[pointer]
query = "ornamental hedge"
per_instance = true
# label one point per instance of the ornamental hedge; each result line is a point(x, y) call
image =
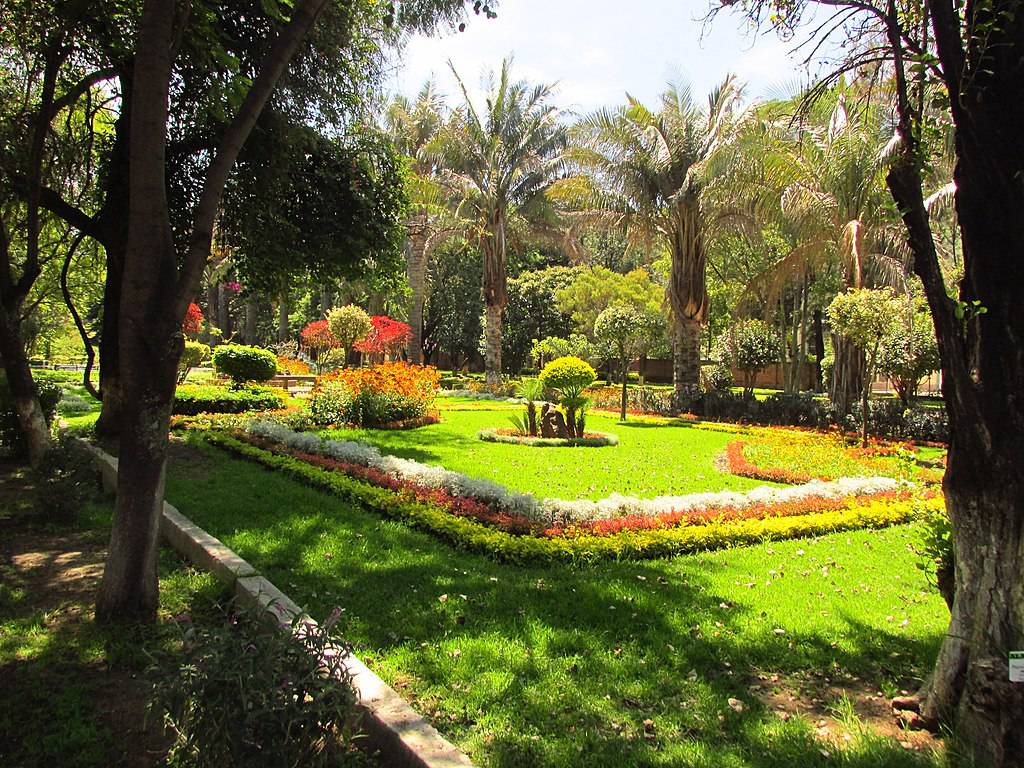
point(244, 364)
point(190, 400)
point(466, 533)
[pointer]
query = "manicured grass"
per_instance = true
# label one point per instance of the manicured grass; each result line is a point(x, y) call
point(651, 459)
point(558, 666)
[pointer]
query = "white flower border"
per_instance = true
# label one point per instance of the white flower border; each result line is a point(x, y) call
point(551, 511)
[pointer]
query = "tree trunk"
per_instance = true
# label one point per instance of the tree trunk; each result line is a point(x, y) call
point(282, 318)
point(212, 304)
point(251, 314)
point(31, 420)
point(847, 374)
point(492, 340)
point(416, 264)
point(685, 360)
point(108, 425)
point(625, 394)
point(819, 350)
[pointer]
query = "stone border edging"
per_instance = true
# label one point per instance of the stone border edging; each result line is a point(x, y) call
point(402, 736)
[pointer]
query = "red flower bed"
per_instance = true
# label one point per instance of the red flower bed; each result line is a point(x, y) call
point(740, 465)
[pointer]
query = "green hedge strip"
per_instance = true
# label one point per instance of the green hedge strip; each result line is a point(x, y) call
point(470, 535)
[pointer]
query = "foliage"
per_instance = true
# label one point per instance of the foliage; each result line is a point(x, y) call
point(619, 327)
point(193, 354)
point(192, 399)
point(349, 324)
point(243, 364)
point(569, 376)
point(385, 337)
point(451, 314)
point(292, 366)
point(331, 360)
point(530, 390)
point(385, 393)
point(594, 289)
point(749, 346)
point(246, 696)
point(909, 352)
point(10, 430)
point(533, 313)
point(552, 347)
point(318, 337)
point(717, 377)
point(193, 322)
point(590, 440)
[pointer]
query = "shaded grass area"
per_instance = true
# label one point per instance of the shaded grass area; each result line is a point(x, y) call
point(651, 459)
point(550, 666)
point(74, 692)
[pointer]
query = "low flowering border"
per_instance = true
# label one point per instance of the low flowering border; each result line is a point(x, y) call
point(582, 547)
point(592, 440)
point(738, 464)
point(548, 511)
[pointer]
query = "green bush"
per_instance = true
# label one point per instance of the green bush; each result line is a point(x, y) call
point(243, 364)
point(195, 352)
point(716, 377)
point(10, 432)
point(246, 696)
point(192, 399)
point(569, 376)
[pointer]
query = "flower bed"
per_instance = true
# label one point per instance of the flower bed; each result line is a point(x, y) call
point(516, 540)
point(589, 440)
point(383, 394)
point(550, 512)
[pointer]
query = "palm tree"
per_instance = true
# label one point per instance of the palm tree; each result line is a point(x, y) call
point(648, 172)
point(829, 179)
point(415, 128)
point(502, 159)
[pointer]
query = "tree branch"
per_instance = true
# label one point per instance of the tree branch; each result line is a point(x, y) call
point(80, 88)
point(90, 353)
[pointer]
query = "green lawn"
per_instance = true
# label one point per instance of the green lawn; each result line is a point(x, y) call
point(555, 666)
point(651, 459)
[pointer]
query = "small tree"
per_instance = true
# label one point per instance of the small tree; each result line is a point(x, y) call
point(193, 322)
point(531, 390)
point(569, 376)
point(749, 346)
point(386, 337)
point(864, 316)
point(620, 327)
point(317, 338)
point(553, 347)
point(909, 352)
point(349, 324)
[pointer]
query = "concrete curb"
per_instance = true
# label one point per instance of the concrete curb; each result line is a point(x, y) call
point(401, 735)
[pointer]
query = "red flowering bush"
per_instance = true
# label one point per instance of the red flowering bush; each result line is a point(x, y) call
point(317, 336)
point(382, 394)
point(386, 336)
point(193, 322)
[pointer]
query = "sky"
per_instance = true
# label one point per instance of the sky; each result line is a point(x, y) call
point(598, 50)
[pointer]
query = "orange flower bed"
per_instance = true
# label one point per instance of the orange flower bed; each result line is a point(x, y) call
point(292, 367)
point(387, 392)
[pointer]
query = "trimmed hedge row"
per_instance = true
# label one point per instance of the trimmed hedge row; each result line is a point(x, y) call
point(191, 400)
point(475, 537)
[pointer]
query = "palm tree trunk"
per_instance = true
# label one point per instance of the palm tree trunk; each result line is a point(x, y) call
point(688, 298)
point(495, 294)
point(685, 359)
point(416, 265)
point(492, 342)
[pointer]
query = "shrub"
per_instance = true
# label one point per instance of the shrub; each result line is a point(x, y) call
point(349, 324)
point(193, 355)
point(372, 396)
point(331, 360)
point(244, 364)
point(10, 431)
point(292, 366)
point(750, 345)
point(386, 336)
point(569, 376)
point(246, 696)
point(716, 377)
point(190, 400)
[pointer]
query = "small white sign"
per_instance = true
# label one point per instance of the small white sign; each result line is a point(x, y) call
point(1017, 666)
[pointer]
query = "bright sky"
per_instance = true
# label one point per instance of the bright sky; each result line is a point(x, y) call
point(598, 50)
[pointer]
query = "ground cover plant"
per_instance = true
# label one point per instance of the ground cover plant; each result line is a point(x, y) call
point(670, 662)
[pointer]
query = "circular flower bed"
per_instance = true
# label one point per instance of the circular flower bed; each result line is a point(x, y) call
point(589, 440)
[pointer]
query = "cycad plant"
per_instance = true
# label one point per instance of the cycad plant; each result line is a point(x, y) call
point(647, 171)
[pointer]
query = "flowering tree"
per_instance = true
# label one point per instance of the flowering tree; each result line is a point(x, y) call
point(318, 338)
point(349, 324)
point(386, 337)
point(193, 322)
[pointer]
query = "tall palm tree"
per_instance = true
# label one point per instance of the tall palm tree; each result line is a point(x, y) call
point(415, 128)
point(502, 159)
point(648, 171)
point(829, 178)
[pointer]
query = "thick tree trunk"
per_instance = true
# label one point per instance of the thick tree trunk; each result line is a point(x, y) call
point(492, 339)
point(819, 350)
point(223, 311)
point(416, 265)
point(685, 360)
point(31, 420)
point(282, 318)
point(251, 315)
point(847, 382)
point(108, 425)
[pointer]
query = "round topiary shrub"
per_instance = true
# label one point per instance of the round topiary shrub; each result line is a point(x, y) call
point(569, 376)
point(243, 364)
